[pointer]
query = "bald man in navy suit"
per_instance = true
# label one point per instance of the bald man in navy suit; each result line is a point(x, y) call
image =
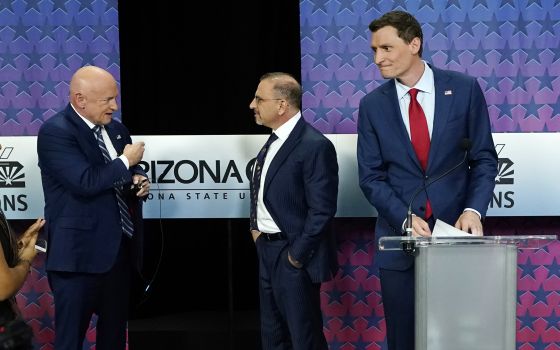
point(94, 215)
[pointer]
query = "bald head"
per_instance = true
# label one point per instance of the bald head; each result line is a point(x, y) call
point(90, 78)
point(93, 93)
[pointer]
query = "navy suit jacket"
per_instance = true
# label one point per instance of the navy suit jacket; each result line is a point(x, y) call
point(389, 170)
point(300, 193)
point(83, 220)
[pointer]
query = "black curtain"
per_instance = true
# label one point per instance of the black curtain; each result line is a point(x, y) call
point(182, 77)
point(179, 77)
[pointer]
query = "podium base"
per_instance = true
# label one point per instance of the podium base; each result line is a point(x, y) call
point(466, 297)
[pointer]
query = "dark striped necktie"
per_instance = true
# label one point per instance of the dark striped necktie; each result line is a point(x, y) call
point(256, 183)
point(126, 221)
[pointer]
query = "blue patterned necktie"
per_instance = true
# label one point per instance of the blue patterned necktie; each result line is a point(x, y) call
point(126, 221)
point(256, 181)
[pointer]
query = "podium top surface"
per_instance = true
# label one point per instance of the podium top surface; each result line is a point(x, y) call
point(406, 242)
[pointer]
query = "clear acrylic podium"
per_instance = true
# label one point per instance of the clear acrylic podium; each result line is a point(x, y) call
point(466, 289)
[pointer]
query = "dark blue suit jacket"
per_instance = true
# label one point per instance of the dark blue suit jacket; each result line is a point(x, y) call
point(300, 193)
point(83, 220)
point(389, 169)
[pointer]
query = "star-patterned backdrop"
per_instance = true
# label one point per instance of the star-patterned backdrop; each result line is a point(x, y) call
point(512, 47)
point(42, 43)
point(353, 308)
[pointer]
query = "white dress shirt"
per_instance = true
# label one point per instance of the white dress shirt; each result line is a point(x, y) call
point(426, 98)
point(264, 219)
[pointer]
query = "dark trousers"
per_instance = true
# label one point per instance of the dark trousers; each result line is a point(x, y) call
point(77, 296)
point(397, 293)
point(290, 306)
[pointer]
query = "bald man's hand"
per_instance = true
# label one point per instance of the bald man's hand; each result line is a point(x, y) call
point(134, 152)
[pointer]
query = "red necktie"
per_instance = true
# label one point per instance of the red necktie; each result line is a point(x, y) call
point(419, 135)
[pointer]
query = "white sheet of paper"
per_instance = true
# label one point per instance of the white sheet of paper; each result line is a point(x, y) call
point(443, 229)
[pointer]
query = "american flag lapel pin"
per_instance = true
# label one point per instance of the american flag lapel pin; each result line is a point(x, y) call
point(448, 92)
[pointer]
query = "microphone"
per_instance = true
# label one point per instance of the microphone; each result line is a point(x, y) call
point(465, 146)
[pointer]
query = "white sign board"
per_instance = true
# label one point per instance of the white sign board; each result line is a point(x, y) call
point(207, 176)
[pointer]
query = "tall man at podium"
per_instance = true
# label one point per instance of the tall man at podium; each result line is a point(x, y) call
point(424, 141)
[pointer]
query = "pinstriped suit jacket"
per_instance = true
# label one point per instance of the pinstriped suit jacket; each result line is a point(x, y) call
point(300, 192)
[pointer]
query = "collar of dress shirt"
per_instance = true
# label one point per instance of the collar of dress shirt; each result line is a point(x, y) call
point(90, 124)
point(285, 129)
point(425, 84)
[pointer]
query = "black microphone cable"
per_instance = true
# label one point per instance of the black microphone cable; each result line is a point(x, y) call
point(147, 288)
point(466, 146)
point(145, 291)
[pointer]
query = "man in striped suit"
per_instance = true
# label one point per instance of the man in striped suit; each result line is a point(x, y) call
point(293, 199)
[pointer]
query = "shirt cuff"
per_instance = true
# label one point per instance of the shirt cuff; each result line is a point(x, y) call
point(475, 211)
point(124, 160)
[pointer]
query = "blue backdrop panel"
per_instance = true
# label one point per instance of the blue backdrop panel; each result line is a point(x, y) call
point(42, 43)
point(511, 45)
